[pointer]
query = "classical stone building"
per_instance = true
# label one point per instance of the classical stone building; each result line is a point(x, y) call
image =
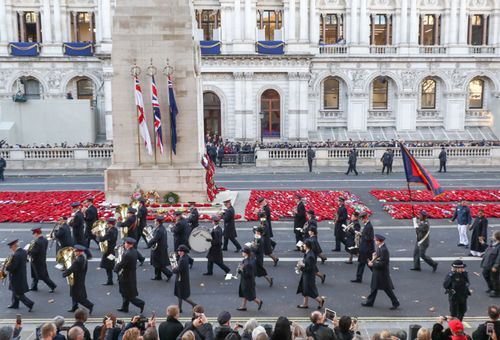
point(290, 69)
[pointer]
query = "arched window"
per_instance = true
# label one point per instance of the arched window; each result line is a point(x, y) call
point(331, 88)
point(428, 94)
point(476, 93)
point(271, 108)
point(31, 88)
point(85, 89)
point(380, 98)
point(211, 114)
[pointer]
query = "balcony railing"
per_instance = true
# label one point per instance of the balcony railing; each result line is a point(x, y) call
point(481, 50)
point(432, 50)
point(478, 114)
point(379, 114)
point(383, 49)
point(427, 114)
point(57, 153)
point(331, 114)
point(332, 49)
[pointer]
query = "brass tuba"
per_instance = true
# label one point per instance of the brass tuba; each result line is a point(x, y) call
point(64, 259)
point(99, 229)
point(3, 271)
point(121, 211)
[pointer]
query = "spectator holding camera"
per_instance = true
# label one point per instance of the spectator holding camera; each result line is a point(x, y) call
point(199, 326)
point(108, 330)
point(346, 328)
point(224, 329)
point(491, 328)
point(318, 329)
point(138, 325)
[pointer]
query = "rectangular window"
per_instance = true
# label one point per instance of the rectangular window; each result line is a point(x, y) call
point(380, 94)
point(381, 29)
point(82, 27)
point(269, 20)
point(331, 28)
point(29, 29)
point(478, 30)
point(208, 20)
point(430, 30)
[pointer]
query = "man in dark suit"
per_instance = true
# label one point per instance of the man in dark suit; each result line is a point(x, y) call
point(442, 159)
point(90, 217)
point(422, 228)
point(230, 227)
point(77, 291)
point(159, 250)
point(340, 219)
point(353, 158)
point(142, 215)
point(366, 246)
point(108, 257)
point(311, 154)
point(214, 254)
point(491, 266)
point(180, 230)
point(132, 229)
point(247, 280)
point(182, 287)
point(18, 281)
point(299, 219)
point(194, 216)
point(386, 161)
point(63, 234)
point(127, 278)
point(381, 277)
point(78, 225)
point(37, 253)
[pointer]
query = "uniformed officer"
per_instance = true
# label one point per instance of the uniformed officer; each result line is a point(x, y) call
point(366, 246)
point(340, 219)
point(246, 289)
point(230, 227)
point(182, 287)
point(78, 291)
point(127, 278)
point(18, 282)
point(258, 249)
point(142, 215)
point(381, 277)
point(78, 226)
point(299, 219)
point(307, 284)
point(214, 255)
point(63, 234)
point(90, 217)
point(491, 265)
point(37, 252)
point(159, 250)
point(456, 284)
point(350, 237)
point(194, 215)
point(422, 228)
point(180, 230)
point(267, 243)
point(108, 258)
point(133, 231)
point(264, 207)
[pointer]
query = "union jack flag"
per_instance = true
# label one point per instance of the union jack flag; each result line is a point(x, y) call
point(156, 114)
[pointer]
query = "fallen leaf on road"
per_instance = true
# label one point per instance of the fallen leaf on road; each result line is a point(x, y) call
point(477, 274)
point(432, 309)
point(416, 301)
point(395, 268)
point(51, 301)
point(202, 284)
point(363, 297)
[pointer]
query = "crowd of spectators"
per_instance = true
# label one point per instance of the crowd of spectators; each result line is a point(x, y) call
point(64, 145)
point(320, 327)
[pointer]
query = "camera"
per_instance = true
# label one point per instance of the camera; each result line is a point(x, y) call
point(142, 322)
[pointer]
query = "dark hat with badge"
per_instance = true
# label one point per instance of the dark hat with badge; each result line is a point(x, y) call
point(36, 230)
point(192, 203)
point(160, 218)
point(215, 218)
point(142, 200)
point(75, 204)
point(246, 250)
point(131, 210)
point(363, 214)
point(90, 199)
point(341, 199)
point(130, 240)
point(111, 220)
point(79, 247)
point(424, 213)
point(183, 248)
point(11, 243)
point(379, 237)
point(458, 264)
point(310, 212)
point(259, 228)
point(299, 196)
point(63, 218)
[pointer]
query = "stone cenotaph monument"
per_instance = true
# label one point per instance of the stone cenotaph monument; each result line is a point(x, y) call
point(146, 33)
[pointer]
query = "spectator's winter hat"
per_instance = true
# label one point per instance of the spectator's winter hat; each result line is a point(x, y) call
point(456, 326)
point(223, 317)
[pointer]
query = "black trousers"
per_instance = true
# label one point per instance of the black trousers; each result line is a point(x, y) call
point(339, 235)
point(352, 168)
point(84, 302)
point(164, 270)
point(370, 300)
point(210, 266)
point(442, 166)
point(491, 279)
point(109, 274)
point(419, 253)
point(233, 241)
point(139, 235)
point(361, 270)
point(310, 163)
point(135, 301)
point(139, 255)
point(385, 166)
point(1, 174)
point(298, 235)
point(46, 279)
point(220, 161)
point(23, 298)
point(458, 307)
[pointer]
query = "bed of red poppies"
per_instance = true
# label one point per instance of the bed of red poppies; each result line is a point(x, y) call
point(406, 210)
point(282, 203)
point(427, 196)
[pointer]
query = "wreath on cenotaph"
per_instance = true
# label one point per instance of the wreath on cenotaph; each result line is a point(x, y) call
point(171, 198)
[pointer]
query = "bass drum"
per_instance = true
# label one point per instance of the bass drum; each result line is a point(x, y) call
point(198, 239)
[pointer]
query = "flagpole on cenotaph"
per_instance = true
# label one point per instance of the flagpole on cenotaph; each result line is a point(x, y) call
point(151, 71)
point(136, 71)
point(169, 71)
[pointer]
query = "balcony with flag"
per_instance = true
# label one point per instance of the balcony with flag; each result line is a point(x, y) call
point(208, 32)
point(269, 42)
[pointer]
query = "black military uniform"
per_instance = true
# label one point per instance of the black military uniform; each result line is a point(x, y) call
point(353, 157)
point(491, 259)
point(442, 160)
point(182, 287)
point(159, 250)
point(90, 218)
point(78, 291)
point(3, 165)
point(127, 278)
point(350, 237)
point(381, 277)
point(299, 219)
point(310, 157)
point(133, 231)
point(78, 225)
point(180, 231)
point(111, 236)
point(142, 215)
point(307, 284)
point(37, 252)
point(258, 249)
point(63, 236)
point(386, 161)
point(456, 284)
point(422, 229)
point(267, 212)
point(366, 248)
point(214, 255)
point(194, 216)
point(246, 289)
point(18, 282)
point(230, 228)
point(340, 220)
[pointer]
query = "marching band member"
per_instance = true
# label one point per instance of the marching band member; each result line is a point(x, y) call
point(307, 284)
point(159, 250)
point(180, 230)
point(299, 219)
point(422, 228)
point(77, 224)
point(77, 291)
point(142, 215)
point(258, 250)
point(182, 287)
point(194, 216)
point(18, 282)
point(133, 231)
point(63, 234)
point(127, 278)
point(37, 252)
point(229, 227)
point(353, 230)
point(264, 207)
point(340, 219)
point(247, 282)
point(90, 216)
point(215, 254)
point(366, 246)
point(311, 222)
point(111, 236)
point(267, 242)
point(381, 277)
point(317, 251)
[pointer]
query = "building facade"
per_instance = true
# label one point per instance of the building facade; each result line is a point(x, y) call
point(285, 69)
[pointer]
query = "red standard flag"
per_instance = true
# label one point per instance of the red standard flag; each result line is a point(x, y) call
point(141, 116)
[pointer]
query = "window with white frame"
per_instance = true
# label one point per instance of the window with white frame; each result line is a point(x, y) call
point(428, 94)
point(381, 29)
point(331, 28)
point(82, 27)
point(331, 94)
point(29, 29)
point(380, 93)
point(476, 94)
point(430, 27)
point(478, 30)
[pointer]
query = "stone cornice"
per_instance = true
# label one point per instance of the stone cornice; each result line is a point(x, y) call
point(257, 60)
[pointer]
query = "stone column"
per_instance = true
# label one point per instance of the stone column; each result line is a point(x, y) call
point(304, 105)
point(452, 34)
point(496, 27)
point(106, 20)
point(291, 21)
point(3, 23)
point(250, 117)
point(363, 28)
point(237, 20)
point(304, 24)
point(354, 22)
point(291, 127)
point(403, 28)
point(226, 23)
point(238, 105)
point(313, 24)
point(463, 25)
point(108, 103)
point(57, 22)
point(413, 23)
point(47, 22)
point(249, 22)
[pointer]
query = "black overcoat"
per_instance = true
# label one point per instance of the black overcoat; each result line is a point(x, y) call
point(181, 231)
point(381, 277)
point(111, 236)
point(127, 278)
point(142, 215)
point(479, 229)
point(63, 237)
point(77, 224)
point(229, 226)
point(307, 283)
point(90, 218)
point(79, 270)
point(258, 250)
point(267, 211)
point(159, 255)
point(38, 254)
point(366, 243)
point(182, 286)
point(130, 223)
point(18, 281)
point(215, 252)
point(247, 279)
point(300, 216)
point(193, 218)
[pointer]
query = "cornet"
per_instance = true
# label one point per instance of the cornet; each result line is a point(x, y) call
point(299, 266)
point(348, 227)
point(173, 260)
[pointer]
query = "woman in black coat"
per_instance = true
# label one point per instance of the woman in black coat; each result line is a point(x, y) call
point(268, 244)
point(318, 252)
point(258, 250)
point(479, 236)
point(182, 287)
point(307, 285)
point(247, 283)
